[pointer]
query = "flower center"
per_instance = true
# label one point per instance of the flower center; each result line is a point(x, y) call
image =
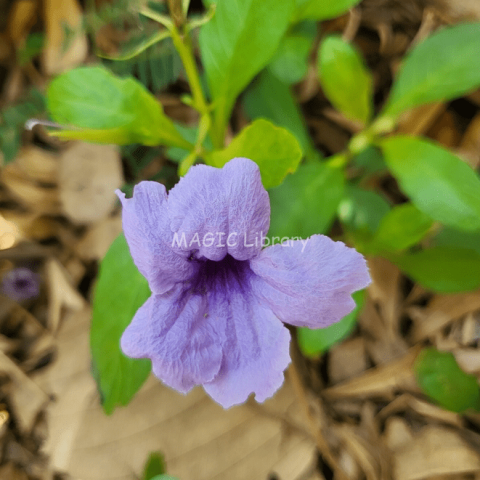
point(220, 277)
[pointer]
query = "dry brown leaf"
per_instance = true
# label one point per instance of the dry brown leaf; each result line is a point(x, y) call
point(27, 398)
point(379, 381)
point(38, 164)
point(424, 409)
point(200, 440)
point(435, 451)
point(347, 360)
point(88, 177)
point(468, 359)
point(10, 472)
point(460, 10)
point(21, 18)
point(385, 289)
point(61, 293)
point(60, 52)
point(38, 199)
point(397, 433)
point(97, 240)
point(9, 233)
point(420, 119)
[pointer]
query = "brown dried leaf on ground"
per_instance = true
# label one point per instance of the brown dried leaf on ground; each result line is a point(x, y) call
point(66, 43)
point(435, 451)
point(200, 440)
point(88, 177)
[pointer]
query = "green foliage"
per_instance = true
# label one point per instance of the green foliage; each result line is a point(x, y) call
point(154, 467)
point(441, 379)
point(444, 66)
point(13, 120)
point(274, 149)
point(449, 237)
point(164, 477)
point(108, 109)
point(362, 210)
point(438, 183)
point(119, 292)
point(322, 9)
point(306, 203)
point(443, 269)
point(32, 48)
point(400, 228)
point(235, 45)
point(313, 343)
point(156, 68)
point(270, 98)
point(370, 161)
point(345, 80)
point(290, 62)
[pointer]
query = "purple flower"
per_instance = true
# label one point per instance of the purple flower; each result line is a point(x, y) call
point(218, 300)
point(20, 284)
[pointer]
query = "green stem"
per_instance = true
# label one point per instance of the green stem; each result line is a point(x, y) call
point(184, 48)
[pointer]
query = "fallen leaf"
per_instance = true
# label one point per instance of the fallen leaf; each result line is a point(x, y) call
point(199, 439)
point(66, 43)
point(88, 177)
point(61, 293)
point(379, 381)
point(435, 451)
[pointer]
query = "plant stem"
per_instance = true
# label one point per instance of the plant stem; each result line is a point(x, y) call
point(184, 48)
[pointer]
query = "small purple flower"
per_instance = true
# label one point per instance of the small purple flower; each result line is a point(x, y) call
point(218, 299)
point(20, 284)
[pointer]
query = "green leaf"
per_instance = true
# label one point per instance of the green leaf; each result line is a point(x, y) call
point(306, 203)
point(438, 183)
point(270, 98)
point(157, 67)
point(370, 160)
point(235, 45)
point(401, 228)
point(440, 378)
point(362, 210)
point(322, 9)
point(314, 342)
point(154, 467)
point(449, 237)
point(108, 109)
point(120, 291)
point(33, 47)
point(443, 269)
point(274, 149)
point(164, 477)
point(444, 66)
point(345, 80)
point(13, 122)
point(290, 62)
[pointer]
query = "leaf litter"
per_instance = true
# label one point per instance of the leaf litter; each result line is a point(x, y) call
point(361, 395)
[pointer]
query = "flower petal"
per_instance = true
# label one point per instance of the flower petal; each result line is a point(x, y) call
point(182, 340)
point(309, 284)
point(220, 211)
point(147, 230)
point(256, 352)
